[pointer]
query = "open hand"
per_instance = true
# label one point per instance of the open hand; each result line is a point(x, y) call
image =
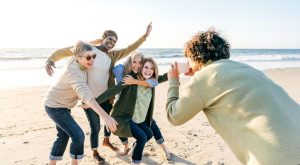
point(49, 69)
point(149, 28)
point(173, 72)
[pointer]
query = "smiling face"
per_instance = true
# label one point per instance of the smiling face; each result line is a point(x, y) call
point(148, 70)
point(109, 42)
point(136, 64)
point(87, 59)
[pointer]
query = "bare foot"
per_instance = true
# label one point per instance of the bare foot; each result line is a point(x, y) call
point(107, 143)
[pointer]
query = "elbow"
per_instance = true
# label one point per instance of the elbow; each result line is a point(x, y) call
point(175, 122)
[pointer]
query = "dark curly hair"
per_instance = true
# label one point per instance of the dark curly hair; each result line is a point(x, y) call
point(205, 46)
point(107, 33)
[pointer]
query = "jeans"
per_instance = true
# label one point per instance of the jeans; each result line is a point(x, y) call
point(66, 127)
point(156, 133)
point(94, 121)
point(142, 133)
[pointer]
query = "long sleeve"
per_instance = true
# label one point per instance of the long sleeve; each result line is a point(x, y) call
point(163, 78)
point(78, 82)
point(182, 108)
point(60, 53)
point(118, 54)
point(110, 92)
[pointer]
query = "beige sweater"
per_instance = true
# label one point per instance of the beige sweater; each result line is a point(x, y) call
point(256, 117)
point(69, 88)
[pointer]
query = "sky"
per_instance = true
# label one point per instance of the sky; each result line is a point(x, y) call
point(272, 24)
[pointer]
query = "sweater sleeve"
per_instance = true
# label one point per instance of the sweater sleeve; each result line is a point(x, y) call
point(181, 108)
point(60, 53)
point(112, 91)
point(118, 54)
point(78, 82)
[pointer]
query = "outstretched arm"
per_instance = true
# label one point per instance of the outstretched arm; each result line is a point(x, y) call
point(55, 56)
point(181, 108)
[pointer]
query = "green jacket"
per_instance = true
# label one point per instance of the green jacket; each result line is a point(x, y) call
point(123, 109)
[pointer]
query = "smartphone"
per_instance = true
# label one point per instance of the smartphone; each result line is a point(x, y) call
point(183, 67)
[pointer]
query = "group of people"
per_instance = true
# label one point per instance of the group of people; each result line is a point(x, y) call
point(256, 117)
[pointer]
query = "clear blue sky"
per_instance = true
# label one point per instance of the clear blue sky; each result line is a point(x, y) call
point(60, 23)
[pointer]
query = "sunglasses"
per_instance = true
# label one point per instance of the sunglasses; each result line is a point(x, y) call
point(88, 58)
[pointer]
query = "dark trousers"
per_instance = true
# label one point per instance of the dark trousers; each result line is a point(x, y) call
point(94, 121)
point(156, 133)
point(142, 133)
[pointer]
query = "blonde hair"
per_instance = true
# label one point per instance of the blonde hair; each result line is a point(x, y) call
point(151, 60)
point(80, 48)
point(128, 62)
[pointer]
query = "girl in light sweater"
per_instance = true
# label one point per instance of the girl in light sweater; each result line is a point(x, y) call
point(63, 96)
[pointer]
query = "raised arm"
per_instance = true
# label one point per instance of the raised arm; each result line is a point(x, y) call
point(118, 54)
point(55, 56)
point(181, 108)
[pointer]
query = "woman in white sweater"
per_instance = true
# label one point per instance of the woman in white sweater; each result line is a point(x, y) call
point(64, 94)
point(255, 116)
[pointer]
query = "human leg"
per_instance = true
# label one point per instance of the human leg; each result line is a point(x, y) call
point(160, 140)
point(142, 134)
point(66, 127)
point(126, 149)
point(107, 108)
point(94, 121)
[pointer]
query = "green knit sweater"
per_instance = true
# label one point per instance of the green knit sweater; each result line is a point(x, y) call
point(256, 117)
point(124, 108)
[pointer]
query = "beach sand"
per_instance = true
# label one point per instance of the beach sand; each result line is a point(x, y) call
point(27, 133)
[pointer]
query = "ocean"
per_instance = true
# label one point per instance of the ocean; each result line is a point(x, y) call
point(25, 67)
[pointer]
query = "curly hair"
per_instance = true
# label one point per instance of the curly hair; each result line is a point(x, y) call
point(205, 46)
point(107, 33)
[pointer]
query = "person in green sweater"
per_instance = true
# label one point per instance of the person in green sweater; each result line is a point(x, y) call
point(256, 117)
point(100, 78)
point(134, 109)
point(134, 63)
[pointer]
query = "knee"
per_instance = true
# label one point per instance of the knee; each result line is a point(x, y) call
point(149, 135)
point(142, 139)
point(79, 138)
point(95, 128)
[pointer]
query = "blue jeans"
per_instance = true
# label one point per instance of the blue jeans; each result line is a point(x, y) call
point(66, 127)
point(94, 121)
point(156, 133)
point(142, 133)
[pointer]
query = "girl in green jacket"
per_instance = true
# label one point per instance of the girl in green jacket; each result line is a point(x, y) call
point(134, 109)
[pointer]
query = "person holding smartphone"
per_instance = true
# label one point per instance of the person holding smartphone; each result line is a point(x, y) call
point(256, 117)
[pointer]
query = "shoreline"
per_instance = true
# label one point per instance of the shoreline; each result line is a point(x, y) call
point(27, 133)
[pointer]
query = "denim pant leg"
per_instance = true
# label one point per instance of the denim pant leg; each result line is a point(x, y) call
point(156, 133)
point(66, 126)
point(107, 108)
point(94, 121)
point(142, 133)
